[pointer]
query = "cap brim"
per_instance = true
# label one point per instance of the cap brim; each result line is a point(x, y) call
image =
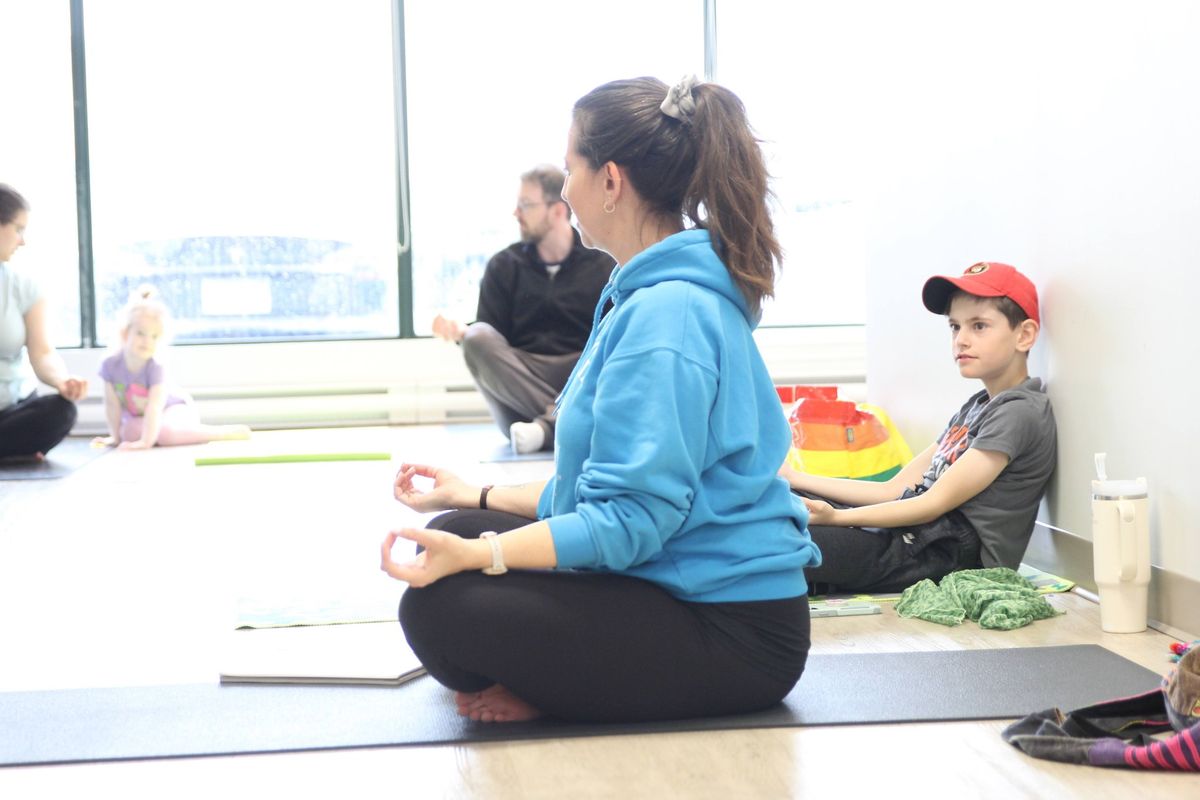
point(936, 294)
point(937, 291)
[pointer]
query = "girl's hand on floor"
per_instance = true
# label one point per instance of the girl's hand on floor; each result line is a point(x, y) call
point(448, 491)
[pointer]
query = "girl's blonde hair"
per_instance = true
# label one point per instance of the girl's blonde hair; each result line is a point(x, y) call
point(144, 300)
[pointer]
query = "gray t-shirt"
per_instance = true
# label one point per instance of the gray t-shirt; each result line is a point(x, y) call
point(18, 293)
point(1019, 423)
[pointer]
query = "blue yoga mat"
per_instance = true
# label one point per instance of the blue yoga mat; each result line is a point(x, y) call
point(488, 445)
point(504, 453)
point(54, 727)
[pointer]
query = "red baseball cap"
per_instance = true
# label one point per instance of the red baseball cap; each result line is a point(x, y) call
point(985, 279)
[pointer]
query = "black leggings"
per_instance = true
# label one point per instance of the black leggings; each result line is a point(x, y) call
point(35, 424)
point(597, 646)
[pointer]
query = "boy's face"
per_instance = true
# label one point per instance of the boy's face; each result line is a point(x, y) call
point(985, 346)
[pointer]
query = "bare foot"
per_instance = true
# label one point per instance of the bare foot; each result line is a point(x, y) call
point(494, 704)
point(23, 459)
point(231, 432)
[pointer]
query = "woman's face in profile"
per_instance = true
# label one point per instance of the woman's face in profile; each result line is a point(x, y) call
point(583, 192)
point(12, 235)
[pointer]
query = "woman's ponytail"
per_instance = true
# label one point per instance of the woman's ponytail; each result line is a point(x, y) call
point(689, 152)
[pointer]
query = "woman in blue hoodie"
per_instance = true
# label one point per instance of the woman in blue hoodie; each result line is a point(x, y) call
point(660, 573)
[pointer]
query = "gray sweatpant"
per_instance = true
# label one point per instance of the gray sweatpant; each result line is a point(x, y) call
point(518, 386)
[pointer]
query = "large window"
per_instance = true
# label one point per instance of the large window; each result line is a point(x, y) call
point(490, 92)
point(243, 163)
point(243, 154)
point(37, 151)
point(795, 67)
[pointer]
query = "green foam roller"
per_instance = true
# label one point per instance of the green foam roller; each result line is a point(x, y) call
point(287, 458)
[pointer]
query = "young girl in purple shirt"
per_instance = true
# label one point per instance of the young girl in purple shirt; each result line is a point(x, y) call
point(141, 408)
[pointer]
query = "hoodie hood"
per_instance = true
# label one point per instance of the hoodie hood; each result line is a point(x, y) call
point(686, 256)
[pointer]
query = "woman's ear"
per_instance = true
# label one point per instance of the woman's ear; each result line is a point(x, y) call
point(614, 181)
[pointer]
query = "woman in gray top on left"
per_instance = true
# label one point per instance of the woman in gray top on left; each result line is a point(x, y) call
point(29, 425)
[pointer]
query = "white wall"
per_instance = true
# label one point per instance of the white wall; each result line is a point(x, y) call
point(1062, 137)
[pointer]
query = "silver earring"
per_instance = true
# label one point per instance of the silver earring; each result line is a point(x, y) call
point(609, 207)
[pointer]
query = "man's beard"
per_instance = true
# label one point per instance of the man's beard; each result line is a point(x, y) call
point(532, 236)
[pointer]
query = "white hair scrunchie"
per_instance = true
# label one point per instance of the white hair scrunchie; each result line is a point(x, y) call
point(679, 102)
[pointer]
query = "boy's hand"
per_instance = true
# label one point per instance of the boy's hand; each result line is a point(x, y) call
point(820, 512)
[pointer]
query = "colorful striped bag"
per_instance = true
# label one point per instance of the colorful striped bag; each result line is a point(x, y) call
point(840, 438)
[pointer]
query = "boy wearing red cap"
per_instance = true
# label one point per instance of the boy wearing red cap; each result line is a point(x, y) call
point(970, 499)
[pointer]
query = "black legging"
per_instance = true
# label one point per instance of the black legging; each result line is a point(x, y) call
point(35, 424)
point(596, 646)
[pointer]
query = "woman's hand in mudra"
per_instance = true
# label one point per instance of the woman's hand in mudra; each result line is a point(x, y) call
point(444, 554)
point(448, 491)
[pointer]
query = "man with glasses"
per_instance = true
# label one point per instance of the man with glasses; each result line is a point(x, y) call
point(536, 302)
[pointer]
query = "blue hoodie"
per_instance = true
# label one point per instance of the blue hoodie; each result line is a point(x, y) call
point(669, 437)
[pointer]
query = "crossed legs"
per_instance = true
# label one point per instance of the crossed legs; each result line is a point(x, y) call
point(518, 386)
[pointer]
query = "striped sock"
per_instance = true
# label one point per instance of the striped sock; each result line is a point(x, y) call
point(1180, 752)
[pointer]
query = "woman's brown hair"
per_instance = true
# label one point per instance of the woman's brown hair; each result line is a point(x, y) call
point(11, 204)
point(707, 167)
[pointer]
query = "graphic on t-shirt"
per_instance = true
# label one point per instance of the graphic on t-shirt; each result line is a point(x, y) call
point(134, 397)
point(953, 444)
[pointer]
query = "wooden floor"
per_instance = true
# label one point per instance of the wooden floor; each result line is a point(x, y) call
point(128, 570)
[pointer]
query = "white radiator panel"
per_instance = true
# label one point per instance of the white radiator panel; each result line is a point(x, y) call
point(397, 382)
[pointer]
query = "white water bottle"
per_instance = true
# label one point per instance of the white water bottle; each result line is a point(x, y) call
point(1121, 550)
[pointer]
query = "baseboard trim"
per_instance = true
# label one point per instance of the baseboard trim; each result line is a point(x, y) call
point(1174, 599)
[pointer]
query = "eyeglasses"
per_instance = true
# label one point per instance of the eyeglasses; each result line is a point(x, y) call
point(525, 205)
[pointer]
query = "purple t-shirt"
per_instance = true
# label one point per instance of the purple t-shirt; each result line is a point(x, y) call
point(133, 388)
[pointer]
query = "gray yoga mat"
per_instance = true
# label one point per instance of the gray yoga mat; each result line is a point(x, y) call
point(68, 456)
point(67, 726)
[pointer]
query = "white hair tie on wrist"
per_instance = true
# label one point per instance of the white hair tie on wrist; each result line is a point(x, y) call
point(679, 102)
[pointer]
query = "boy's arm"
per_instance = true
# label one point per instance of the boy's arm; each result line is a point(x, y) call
point(973, 472)
point(848, 491)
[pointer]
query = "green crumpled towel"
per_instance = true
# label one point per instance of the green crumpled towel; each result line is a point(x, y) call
point(996, 598)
